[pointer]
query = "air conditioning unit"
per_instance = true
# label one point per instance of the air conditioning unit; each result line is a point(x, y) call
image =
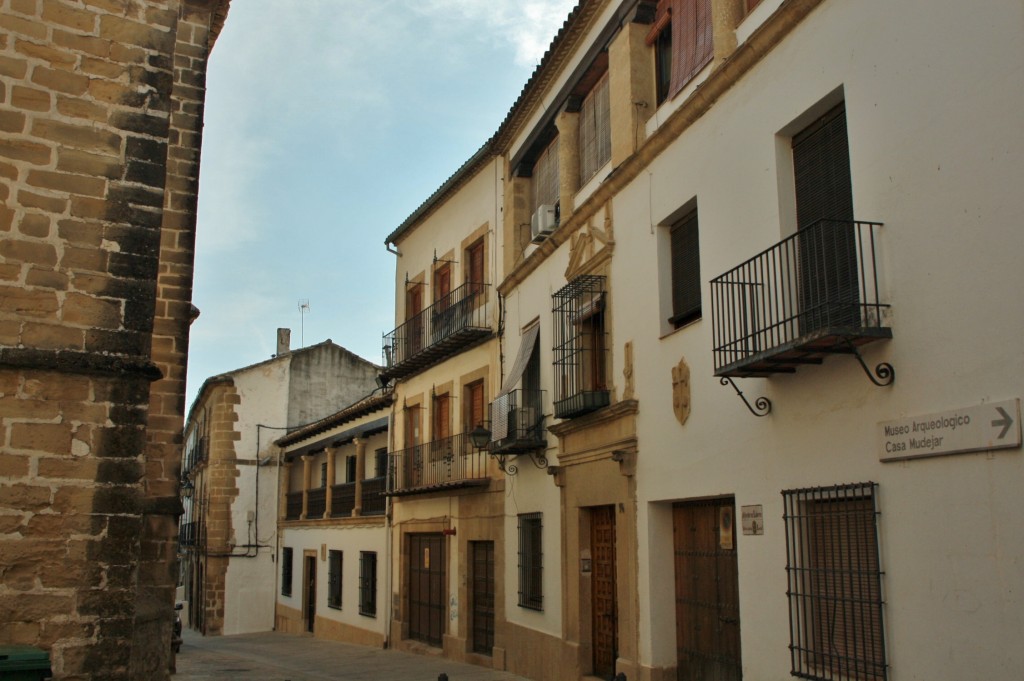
point(542, 223)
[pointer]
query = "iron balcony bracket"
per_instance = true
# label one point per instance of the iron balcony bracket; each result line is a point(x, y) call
point(509, 468)
point(884, 371)
point(762, 405)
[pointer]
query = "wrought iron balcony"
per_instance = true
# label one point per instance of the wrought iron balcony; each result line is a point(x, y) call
point(343, 499)
point(442, 464)
point(517, 422)
point(187, 534)
point(813, 294)
point(316, 503)
point(454, 323)
point(374, 501)
point(293, 506)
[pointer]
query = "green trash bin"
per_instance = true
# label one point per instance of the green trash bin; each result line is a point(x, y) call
point(24, 663)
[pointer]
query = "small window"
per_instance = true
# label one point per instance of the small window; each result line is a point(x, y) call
point(595, 130)
point(685, 249)
point(368, 583)
point(835, 583)
point(683, 40)
point(580, 347)
point(531, 562)
point(474, 405)
point(286, 571)
point(323, 474)
point(380, 462)
point(474, 271)
point(334, 579)
point(350, 469)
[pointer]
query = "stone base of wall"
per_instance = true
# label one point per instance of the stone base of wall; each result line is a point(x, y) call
point(288, 620)
point(537, 655)
point(333, 630)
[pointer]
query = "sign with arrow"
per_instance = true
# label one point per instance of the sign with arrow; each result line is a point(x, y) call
point(993, 425)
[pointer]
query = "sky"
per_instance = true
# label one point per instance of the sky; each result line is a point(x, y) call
point(327, 123)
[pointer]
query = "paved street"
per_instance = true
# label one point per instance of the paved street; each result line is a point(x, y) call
point(274, 656)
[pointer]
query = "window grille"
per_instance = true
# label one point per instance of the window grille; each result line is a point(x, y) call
point(531, 562)
point(835, 583)
point(595, 130)
point(580, 347)
point(368, 583)
point(334, 562)
point(286, 571)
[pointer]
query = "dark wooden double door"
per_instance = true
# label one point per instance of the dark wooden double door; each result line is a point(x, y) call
point(427, 607)
point(707, 591)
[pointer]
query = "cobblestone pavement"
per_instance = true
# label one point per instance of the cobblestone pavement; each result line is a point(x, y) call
point(274, 656)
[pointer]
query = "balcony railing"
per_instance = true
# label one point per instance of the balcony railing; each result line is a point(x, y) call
point(446, 463)
point(454, 323)
point(343, 499)
point(374, 500)
point(810, 295)
point(195, 456)
point(316, 503)
point(187, 534)
point(293, 507)
point(517, 422)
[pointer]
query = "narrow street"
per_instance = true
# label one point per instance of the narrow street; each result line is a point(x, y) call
point(274, 656)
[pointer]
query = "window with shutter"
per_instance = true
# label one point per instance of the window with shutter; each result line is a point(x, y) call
point(595, 141)
point(685, 246)
point(334, 579)
point(683, 38)
point(475, 275)
point(545, 178)
point(368, 583)
point(475, 405)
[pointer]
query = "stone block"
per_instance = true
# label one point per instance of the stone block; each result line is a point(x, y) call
point(12, 121)
point(18, 26)
point(13, 67)
point(24, 498)
point(35, 252)
point(60, 80)
point(74, 107)
point(50, 204)
point(42, 437)
point(26, 303)
point(124, 31)
point(12, 465)
point(78, 19)
point(89, 311)
point(80, 233)
point(104, 68)
point(23, 150)
point(82, 185)
point(78, 136)
point(84, 259)
point(44, 278)
point(56, 57)
point(35, 224)
point(30, 99)
point(13, 407)
point(99, 165)
point(99, 47)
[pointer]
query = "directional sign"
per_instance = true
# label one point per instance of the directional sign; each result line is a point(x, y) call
point(994, 425)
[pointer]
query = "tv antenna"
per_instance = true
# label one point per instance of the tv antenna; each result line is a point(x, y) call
point(303, 309)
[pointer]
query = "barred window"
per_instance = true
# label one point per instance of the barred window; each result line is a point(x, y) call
point(286, 571)
point(595, 130)
point(834, 583)
point(368, 583)
point(531, 562)
point(580, 347)
point(334, 579)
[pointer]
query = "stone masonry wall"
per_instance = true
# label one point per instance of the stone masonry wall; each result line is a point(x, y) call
point(98, 154)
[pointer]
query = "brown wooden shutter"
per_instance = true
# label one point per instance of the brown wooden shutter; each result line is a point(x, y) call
point(474, 405)
point(442, 415)
point(685, 251)
point(442, 282)
point(412, 426)
point(692, 40)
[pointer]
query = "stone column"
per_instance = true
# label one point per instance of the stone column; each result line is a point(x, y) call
point(631, 78)
point(330, 481)
point(725, 14)
point(568, 124)
point(360, 444)
point(286, 484)
point(307, 479)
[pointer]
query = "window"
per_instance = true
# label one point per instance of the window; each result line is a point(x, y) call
point(475, 266)
point(286, 571)
point(323, 474)
point(334, 579)
point(442, 284)
point(683, 39)
point(545, 178)
point(380, 462)
point(580, 347)
point(474, 405)
point(531, 562)
point(595, 130)
point(350, 469)
point(685, 253)
point(835, 583)
point(368, 583)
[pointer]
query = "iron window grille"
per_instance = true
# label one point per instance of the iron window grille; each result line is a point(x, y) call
point(531, 562)
point(368, 583)
point(286, 571)
point(334, 564)
point(835, 583)
point(580, 351)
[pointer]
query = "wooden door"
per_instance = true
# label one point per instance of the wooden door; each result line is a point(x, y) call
point(414, 327)
point(482, 614)
point(707, 591)
point(309, 589)
point(602, 585)
point(426, 588)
